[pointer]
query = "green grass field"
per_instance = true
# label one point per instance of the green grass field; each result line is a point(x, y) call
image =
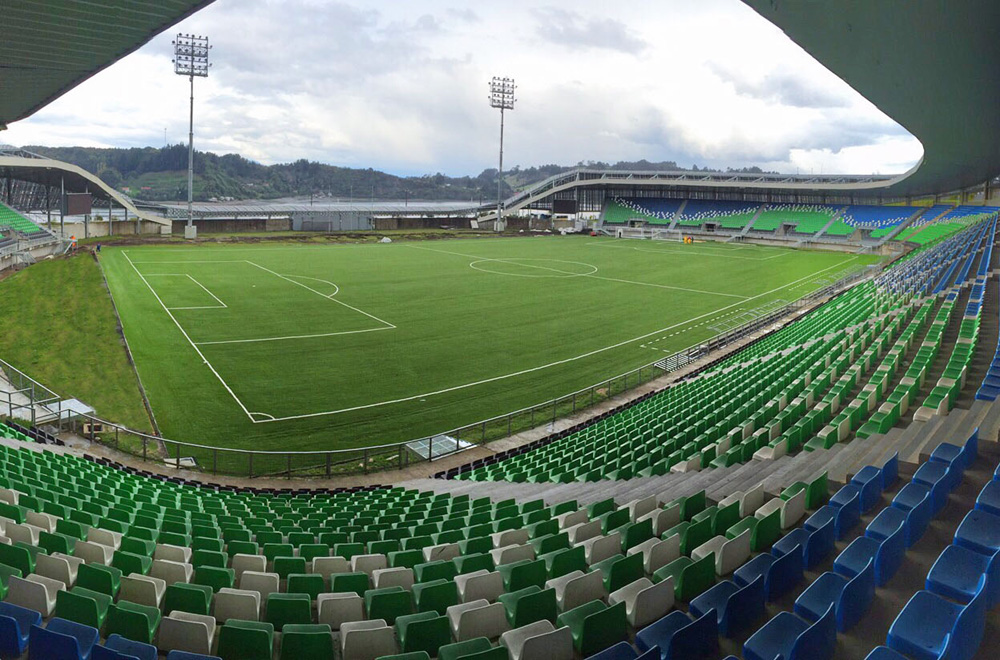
point(322, 347)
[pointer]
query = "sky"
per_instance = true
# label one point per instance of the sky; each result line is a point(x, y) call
point(401, 86)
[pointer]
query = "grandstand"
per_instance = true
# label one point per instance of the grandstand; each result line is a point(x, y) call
point(827, 487)
point(730, 215)
point(807, 218)
point(12, 220)
point(654, 211)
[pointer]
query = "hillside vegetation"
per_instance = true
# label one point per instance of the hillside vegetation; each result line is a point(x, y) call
point(160, 174)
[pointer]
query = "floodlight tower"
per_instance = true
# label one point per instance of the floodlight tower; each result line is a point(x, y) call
point(502, 97)
point(191, 59)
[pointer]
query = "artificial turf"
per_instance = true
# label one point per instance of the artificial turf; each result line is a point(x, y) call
point(291, 347)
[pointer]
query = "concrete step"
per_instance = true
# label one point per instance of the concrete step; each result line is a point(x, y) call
point(947, 431)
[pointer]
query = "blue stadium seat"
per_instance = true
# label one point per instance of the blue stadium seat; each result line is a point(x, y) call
point(736, 607)
point(930, 627)
point(846, 513)
point(793, 638)
point(127, 648)
point(680, 638)
point(15, 624)
point(888, 521)
point(956, 573)
point(940, 479)
point(867, 488)
point(915, 500)
point(850, 598)
point(965, 455)
point(815, 544)
point(989, 498)
point(780, 573)
point(61, 640)
point(979, 531)
point(887, 554)
point(884, 653)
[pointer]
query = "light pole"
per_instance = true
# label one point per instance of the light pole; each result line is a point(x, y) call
point(502, 97)
point(191, 59)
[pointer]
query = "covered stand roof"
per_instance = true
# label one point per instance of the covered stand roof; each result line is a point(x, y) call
point(48, 47)
point(934, 67)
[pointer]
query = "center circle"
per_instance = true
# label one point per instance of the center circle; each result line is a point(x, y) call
point(518, 267)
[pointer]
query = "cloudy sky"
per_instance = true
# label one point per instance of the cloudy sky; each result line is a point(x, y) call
point(401, 85)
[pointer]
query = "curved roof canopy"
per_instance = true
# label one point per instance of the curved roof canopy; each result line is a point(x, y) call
point(48, 47)
point(25, 166)
point(934, 67)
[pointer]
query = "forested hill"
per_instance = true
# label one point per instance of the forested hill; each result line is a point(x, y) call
point(158, 174)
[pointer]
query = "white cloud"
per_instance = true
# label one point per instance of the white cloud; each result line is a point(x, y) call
point(402, 87)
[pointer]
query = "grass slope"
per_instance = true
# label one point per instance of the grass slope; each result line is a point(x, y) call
point(568, 312)
point(58, 326)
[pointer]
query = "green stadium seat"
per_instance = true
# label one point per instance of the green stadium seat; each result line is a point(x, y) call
point(133, 621)
point(388, 603)
point(312, 641)
point(423, 631)
point(84, 606)
point(524, 573)
point(246, 640)
point(435, 596)
point(193, 598)
point(105, 579)
point(595, 626)
point(347, 582)
point(306, 583)
point(288, 608)
point(529, 605)
point(216, 578)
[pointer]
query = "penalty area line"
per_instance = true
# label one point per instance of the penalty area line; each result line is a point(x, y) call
point(323, 295)
point(188, 338)
point(325, 334)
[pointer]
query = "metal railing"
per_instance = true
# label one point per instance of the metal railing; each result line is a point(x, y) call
point(26, 398)
point(395, 456)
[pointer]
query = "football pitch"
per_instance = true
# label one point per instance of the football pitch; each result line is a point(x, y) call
point(296, 347)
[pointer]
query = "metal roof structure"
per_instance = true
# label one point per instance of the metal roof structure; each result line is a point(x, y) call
point(933, 67)
point(298, 207)
point(48, 47)
point(32, 168)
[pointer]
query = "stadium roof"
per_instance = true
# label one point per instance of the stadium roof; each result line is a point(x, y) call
point(26, 166)
point(934, 67)
point(48, 47)
point(319, 207)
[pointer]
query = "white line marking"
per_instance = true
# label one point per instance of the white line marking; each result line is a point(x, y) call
point(316, 279)
point(188, 308)
point(591, 275)
point(664, 286)
point(323, 295)
point(544, 366)
point(516, 262)
point(184, 332)
point(207, 291)
point(221, 304)
point(325, 334)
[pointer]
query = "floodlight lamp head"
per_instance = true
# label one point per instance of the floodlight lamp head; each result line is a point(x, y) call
point(191, 55)
point(502, 93)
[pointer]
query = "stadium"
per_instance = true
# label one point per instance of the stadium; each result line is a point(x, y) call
point(617, 413)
